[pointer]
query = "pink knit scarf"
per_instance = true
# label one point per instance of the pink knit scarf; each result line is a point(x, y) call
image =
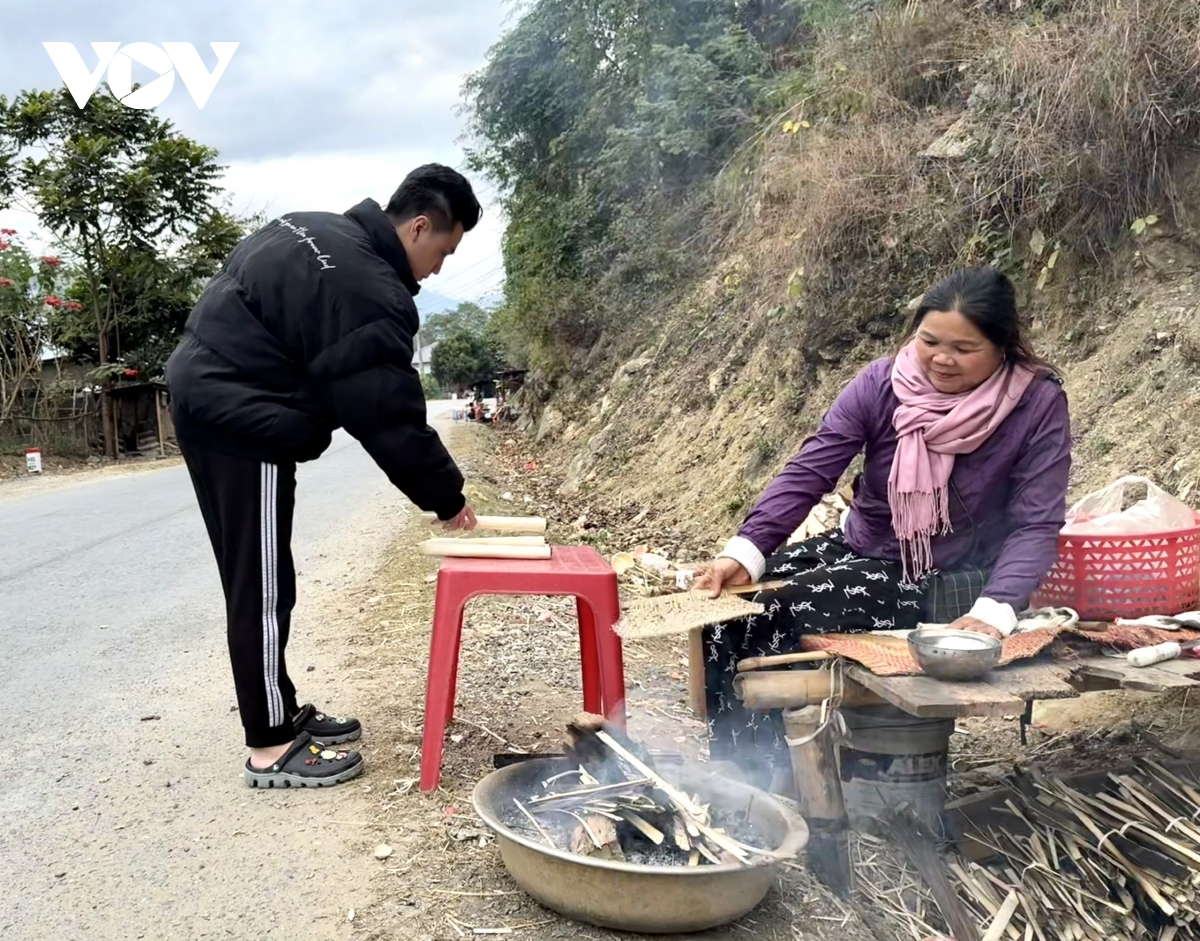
point(932, 427)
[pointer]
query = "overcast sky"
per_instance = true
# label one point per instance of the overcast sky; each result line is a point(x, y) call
point(322, 104)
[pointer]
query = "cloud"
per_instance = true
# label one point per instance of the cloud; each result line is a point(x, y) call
point(306, 76)
point(322, 104)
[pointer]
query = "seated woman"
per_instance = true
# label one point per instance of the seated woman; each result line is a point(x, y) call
point(968, 455)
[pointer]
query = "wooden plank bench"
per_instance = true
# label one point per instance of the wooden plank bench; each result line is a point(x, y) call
point(1003, 692)
point(1007, 690)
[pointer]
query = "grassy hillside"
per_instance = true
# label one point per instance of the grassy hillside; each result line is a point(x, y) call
point(1051, 138)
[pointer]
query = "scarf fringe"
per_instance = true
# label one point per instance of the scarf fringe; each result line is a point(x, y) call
point(915, 530)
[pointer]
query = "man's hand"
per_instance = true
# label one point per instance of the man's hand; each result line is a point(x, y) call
point(722, 573)
point(976, 626)
point(464, 521)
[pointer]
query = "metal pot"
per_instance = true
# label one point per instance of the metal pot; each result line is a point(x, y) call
point(947, 653)
point(629, 897)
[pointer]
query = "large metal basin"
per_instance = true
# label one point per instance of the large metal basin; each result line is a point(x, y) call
point(628, 897)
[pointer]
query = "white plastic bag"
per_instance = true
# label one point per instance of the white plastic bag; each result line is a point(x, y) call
point(1104, 513)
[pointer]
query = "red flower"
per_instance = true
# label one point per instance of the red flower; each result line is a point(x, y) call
point(74, 305)
point(131, 373)
point(51, 260)
point(53, 301)
point(6, 282)
point(3, 245)
point(8, 231)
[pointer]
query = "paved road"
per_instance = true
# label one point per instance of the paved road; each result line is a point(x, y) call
point(114, 825)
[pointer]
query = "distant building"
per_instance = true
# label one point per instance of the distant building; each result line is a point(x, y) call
point(423, 359)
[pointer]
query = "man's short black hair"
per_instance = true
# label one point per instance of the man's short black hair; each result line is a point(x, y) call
point(439, 192)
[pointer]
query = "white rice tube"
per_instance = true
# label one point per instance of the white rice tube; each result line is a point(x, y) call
point(1148, 656)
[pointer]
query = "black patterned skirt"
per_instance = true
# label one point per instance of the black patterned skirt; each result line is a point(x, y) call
point(831, 589)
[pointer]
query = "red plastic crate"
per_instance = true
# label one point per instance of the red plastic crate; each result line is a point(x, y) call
point(1108, 577)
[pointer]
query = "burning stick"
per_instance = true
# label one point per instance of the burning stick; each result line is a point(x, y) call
point(648, 830)
point(708, 854)
point(594, 836)
point(649, 809)
point(681, 800)
point(679, 832)
point(589, 791)
point(533, 820)
point(683, 803)
point(567, 774)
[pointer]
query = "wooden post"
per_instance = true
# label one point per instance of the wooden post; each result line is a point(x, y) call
point(162, 444)
point(114, 415)
point(108, 419)
point(819, 794)
point(696, 697)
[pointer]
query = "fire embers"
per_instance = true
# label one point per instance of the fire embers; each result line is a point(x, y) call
point(616, 806)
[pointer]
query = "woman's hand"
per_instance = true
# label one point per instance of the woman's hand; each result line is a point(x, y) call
point(720, 574)
point(976, 626)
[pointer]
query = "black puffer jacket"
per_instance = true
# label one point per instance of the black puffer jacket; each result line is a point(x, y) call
point(309, 327)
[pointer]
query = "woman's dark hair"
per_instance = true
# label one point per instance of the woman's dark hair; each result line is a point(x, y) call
point(986, 297)
point(439, 192)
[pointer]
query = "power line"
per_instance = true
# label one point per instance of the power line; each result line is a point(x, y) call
point(457, 275)
point(496, 275)
point(483, 279)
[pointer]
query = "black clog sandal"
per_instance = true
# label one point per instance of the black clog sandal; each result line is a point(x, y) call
point(327, 730)
point(307, 764)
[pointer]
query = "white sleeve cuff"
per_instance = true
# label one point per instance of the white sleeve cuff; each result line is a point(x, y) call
point(747, 555)
point(995, 614)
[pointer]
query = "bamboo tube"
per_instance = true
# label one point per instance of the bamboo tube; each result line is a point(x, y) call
point(761, 663)
point(491, 540)
point(463, 549)
point(503, 524)
point(795, 689)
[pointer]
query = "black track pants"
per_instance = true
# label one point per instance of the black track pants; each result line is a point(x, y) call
point(247, 507)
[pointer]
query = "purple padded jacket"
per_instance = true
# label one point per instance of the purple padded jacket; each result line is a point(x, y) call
point(1007, 499)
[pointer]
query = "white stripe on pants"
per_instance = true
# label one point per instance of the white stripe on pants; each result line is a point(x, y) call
point(268, 542)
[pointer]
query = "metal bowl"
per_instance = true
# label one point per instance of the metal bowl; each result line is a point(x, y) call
point(948, 654)
point(628, 897)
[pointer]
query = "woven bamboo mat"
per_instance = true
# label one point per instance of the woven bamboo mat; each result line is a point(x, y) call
point(888, 655)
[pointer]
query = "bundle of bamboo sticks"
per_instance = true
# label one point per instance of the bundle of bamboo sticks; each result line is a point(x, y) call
point(1122, 863)
point(530, 543)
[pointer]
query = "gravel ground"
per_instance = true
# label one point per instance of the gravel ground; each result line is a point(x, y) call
point(135, 823)
point(518, 686)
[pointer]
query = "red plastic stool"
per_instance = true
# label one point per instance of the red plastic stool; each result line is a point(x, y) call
point(571, 570)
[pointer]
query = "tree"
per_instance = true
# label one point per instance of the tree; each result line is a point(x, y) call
point(29, 297)
point(133, 204)
point(604, 122)
point(466, 316)
point(462, 359)
point(430, 387)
